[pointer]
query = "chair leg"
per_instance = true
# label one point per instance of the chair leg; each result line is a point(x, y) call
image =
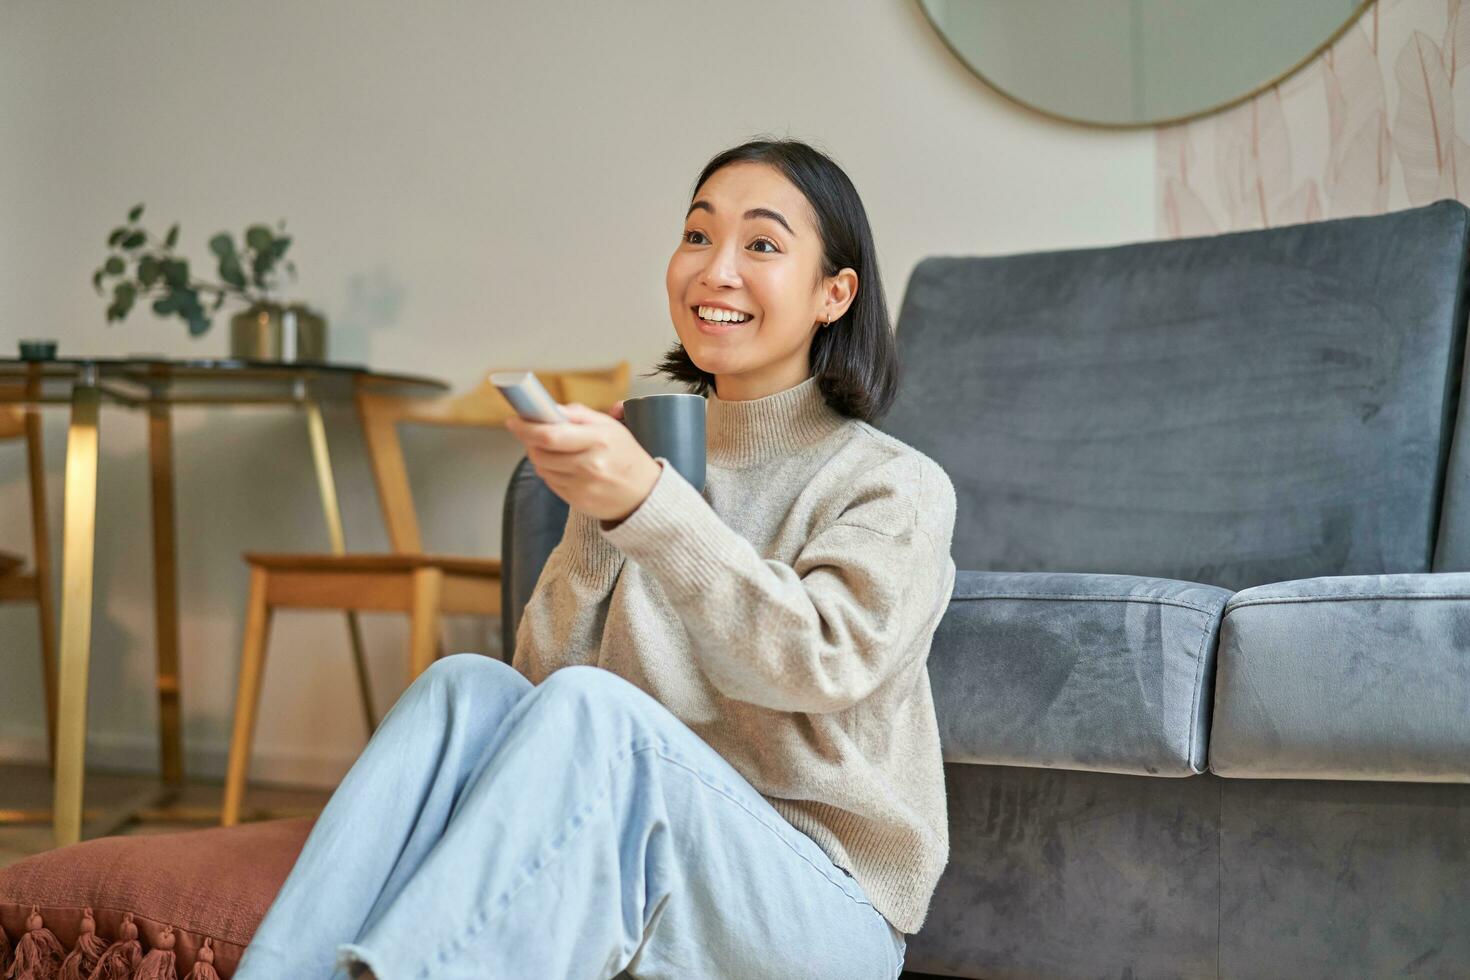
point(247, 695)
point(424, 624)
point(46, 612)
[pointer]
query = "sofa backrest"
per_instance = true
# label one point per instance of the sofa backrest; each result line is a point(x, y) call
point(1235, 410)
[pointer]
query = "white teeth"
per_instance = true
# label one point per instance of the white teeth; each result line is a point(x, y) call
point(719, 315)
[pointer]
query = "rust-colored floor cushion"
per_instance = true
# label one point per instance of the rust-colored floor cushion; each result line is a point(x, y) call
point(179, 891)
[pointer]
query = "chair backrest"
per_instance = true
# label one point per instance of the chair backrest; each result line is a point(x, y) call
point(381, 414)
point(24, 423)
point(1237, 409)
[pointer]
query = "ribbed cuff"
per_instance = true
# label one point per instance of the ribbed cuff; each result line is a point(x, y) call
point(677, 536)
point(590, 559)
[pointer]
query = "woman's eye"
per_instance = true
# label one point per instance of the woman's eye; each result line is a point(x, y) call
point(767, 241)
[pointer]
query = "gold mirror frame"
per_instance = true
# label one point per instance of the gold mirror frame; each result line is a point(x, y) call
point(1352, 19)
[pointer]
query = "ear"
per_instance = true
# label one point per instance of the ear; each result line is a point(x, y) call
point(841, 291)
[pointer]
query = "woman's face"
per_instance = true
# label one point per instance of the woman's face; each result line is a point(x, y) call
point(750, 244)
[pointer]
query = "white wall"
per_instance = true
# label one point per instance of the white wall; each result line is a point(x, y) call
point(468, 184)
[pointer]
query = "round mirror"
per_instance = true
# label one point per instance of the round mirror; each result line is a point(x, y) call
point(1127, 63)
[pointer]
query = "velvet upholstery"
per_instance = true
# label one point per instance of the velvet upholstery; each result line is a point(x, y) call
point(1059, 874)
point(1103, 672)
point(533, 519)
point(1346, 677)
point(1234, 410)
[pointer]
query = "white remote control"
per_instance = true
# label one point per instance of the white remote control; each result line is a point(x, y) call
point(528, 396)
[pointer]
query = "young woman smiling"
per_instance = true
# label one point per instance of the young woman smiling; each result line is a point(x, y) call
point(714, 753)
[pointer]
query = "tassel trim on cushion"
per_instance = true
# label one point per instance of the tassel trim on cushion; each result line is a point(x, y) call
point(82, 959)
point(160, 962)
point(120, 960)
point(204, 965)
point(38, 954)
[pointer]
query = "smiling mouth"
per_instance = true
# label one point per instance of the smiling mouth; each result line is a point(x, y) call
point(721, 325)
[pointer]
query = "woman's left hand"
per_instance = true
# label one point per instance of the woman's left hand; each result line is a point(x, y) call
point(592, 461)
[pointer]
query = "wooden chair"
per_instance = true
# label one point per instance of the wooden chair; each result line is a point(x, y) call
point(407, 581)
point(19, 585)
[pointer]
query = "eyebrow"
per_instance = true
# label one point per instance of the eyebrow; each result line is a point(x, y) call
point(752, 213)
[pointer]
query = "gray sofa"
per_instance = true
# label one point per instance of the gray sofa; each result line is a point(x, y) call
point(1204, 684)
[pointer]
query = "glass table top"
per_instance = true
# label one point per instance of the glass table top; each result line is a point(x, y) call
point(140, 380)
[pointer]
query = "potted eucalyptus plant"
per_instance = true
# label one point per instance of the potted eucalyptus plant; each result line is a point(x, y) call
point(143, 267)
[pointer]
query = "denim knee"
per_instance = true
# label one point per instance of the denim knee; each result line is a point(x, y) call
point(467, 671)
point(596, 693)
point(584, 681)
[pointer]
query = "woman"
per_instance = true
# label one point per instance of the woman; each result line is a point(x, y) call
point(715, 753)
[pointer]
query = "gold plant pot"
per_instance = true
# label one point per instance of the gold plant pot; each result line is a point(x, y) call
point(270, 332)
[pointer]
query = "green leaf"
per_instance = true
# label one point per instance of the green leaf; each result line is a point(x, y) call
point(164, 305)
point(123, 294)
point(230, 271)
point(97, 281)
point(136, 213)
point(173, 237)
point(134, 240)
point(258, 237)
point(116, 236)
point(222, 244)
point(176, 273)
point(260, 268)
point(114, 265)
point(219, 300)
point(148, 270)
point(198, 325)
point(279, 246)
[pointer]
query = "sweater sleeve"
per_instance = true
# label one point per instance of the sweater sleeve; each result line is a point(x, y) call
point(562, 621)
point(818, 634)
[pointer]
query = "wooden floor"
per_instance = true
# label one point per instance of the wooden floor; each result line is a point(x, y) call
point(29, 787)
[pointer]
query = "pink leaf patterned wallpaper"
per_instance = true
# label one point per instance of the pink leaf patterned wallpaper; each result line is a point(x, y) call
point(1379, 122)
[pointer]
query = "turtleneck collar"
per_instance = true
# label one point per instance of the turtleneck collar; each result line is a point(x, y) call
point(744, 433)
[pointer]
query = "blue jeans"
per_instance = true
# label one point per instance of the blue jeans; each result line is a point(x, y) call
point(573, 829)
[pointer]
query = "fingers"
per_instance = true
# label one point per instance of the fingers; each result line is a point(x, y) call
point(556, 437)
point(578, 412)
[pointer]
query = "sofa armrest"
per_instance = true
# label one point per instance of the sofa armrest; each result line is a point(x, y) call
point(1346, 677)
point(1110, 673)
point(532, 523)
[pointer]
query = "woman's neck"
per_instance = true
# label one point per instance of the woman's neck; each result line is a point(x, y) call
point(751, 385)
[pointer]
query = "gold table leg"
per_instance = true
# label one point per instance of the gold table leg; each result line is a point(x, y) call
point(165, 591)
point(327, 486)
point(78, 547)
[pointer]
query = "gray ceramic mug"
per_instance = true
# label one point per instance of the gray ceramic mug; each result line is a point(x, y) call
point(671, 426)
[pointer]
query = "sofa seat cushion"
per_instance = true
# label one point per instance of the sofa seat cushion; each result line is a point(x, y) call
point(1109, 673)
point(1346, 677)
point(213, 884)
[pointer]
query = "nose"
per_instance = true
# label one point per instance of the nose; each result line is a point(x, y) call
point(720, 269)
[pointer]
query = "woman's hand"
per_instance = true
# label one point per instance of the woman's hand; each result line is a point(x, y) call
point(592, 461)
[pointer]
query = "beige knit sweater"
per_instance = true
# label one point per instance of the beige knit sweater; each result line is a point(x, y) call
point(784, 614)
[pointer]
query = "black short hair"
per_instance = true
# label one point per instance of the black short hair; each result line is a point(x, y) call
point(854, 359)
